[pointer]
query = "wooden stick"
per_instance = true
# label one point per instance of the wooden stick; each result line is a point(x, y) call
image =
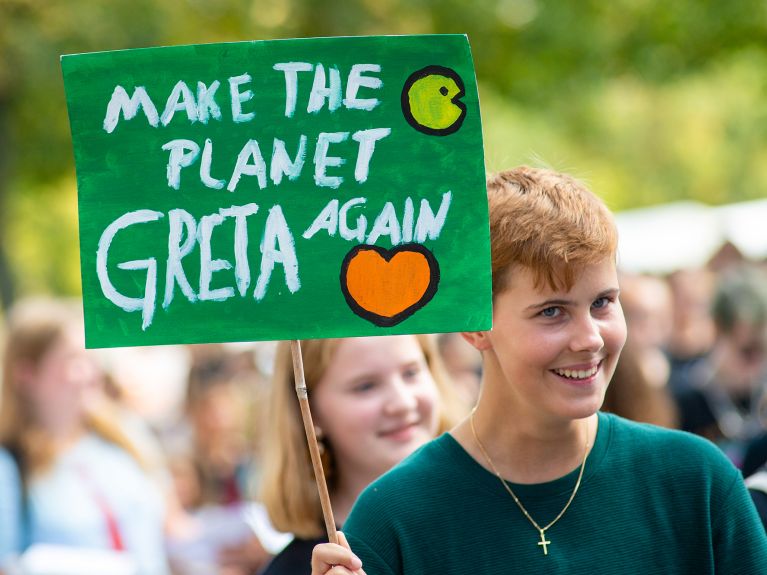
point(311, 439)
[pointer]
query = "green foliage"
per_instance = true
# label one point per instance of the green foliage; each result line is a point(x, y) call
point(648, 101)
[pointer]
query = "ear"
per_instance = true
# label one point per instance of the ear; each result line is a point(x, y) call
point(478, 339)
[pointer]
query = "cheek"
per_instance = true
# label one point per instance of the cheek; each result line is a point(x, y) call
point(616, 334)
point(429, 402)
point(343, 416)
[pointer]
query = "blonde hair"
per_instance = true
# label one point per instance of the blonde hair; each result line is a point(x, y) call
point(548, 222)
point(288, 488)
point(34, 326)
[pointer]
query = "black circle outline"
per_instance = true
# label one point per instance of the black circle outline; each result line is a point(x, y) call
point(387, 255)
point(405, 101)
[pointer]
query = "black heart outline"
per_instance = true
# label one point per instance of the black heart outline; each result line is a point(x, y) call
point(387, 255)
point(405, 101)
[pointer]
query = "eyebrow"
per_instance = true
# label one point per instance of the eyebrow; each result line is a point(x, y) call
point(566, 302)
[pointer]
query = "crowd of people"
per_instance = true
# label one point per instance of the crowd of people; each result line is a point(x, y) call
point(220, 482)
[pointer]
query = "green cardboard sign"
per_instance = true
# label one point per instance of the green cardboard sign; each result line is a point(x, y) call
point(286, 189)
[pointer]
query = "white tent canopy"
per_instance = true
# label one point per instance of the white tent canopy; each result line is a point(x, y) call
point(665, 238)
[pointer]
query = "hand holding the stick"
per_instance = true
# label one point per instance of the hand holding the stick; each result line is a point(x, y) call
point(332, 559)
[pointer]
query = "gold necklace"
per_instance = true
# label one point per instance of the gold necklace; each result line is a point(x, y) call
point(541, 530)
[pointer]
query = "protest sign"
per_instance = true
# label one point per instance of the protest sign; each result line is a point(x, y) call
point(286, 189)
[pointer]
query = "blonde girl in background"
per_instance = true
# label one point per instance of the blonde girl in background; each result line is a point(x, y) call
point(374, 401)
point(75, 481)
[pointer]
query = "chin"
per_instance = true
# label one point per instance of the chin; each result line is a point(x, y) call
point(581, 410)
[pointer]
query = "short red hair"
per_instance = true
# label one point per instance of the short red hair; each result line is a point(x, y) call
point(548, 222)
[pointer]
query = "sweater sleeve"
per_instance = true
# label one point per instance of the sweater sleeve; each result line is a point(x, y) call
point(740, 542)
point(10, 508)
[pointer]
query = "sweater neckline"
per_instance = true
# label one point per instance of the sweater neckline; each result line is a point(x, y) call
point(484, 479)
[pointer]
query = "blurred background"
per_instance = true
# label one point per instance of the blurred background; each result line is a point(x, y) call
point(649, 102)
point(658, 106)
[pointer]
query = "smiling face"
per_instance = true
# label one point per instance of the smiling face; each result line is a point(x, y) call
point(553, 351)
point(59, 387)
point(376, 403)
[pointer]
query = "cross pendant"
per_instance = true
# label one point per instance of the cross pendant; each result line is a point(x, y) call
point(544, 543)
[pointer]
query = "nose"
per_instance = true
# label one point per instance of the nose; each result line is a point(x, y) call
point(587, 335)
point(401, 397)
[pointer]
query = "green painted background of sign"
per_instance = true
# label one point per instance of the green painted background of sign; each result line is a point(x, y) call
point(125, 170)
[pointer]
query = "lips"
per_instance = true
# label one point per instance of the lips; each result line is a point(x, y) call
point(401, 432)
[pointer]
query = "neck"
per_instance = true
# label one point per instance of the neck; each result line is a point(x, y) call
point(533, 455)
point(524, 445)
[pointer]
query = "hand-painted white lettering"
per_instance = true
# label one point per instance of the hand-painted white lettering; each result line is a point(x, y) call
point(344, 230)
point(428, 225)
point(282, 165)
point(182, 154)
point(241, 266)
point(277, 246)
point(244, 168)
point(207, 158)
point(129, 304)
point(322, 161)
point(208, 265)
point(326, 220)
point(356, 81)
point(367, 140)
point(407, 221)
point(206, 102)
point(321, 92)
point(386, 224)
point(182, 237)
point(291, 70)
point(180, 98)
point(129, 106)
point(238, 98)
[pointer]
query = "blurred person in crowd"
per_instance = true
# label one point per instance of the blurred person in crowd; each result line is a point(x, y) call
point(727, 388)
point(219, 402)
point(757, 487)
point(463, 364)
point(638, 388)
point(74, 478)
point(647, 307)
point(213, 465)
point(692, 329)
point(632, 395)
point(374, 401)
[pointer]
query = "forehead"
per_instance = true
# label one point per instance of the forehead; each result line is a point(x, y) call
point(361, 354)
point(588, 279)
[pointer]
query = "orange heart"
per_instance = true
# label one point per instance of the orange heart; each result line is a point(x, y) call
point(388, 286)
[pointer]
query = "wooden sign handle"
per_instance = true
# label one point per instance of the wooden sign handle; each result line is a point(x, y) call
point(311, 439)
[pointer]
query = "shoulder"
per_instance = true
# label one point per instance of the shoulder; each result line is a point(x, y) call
point(296, 558)
point(428, 464)
point(657, 449)
point(402, 490)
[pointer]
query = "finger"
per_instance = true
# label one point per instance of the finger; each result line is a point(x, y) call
point(339, 570)
point(327, 555)
point(355, 560)
point(342, 541)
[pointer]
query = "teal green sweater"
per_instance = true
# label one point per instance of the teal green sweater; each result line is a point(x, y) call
point(652, 501)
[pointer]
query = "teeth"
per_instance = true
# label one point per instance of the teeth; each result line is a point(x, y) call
point(577, 373)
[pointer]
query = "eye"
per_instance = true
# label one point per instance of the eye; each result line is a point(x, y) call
point(364, 386)
point(411, 372)
point(602, 302)
point(551, 312)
